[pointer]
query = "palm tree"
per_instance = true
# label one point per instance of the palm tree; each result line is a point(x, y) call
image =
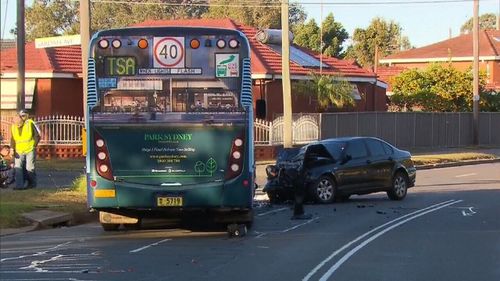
point(332, 90)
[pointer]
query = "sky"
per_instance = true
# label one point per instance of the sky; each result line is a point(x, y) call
point(423, 24)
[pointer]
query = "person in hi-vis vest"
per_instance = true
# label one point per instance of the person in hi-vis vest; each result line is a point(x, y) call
point(25, 138)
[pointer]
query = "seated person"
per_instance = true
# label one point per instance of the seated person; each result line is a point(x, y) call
point(6, 167)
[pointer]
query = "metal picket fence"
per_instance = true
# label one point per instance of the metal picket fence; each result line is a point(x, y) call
point(305, 129)
point(54, 130)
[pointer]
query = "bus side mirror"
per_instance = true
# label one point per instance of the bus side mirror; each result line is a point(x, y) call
point(260, 108)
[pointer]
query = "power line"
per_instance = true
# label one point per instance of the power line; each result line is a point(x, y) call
point(247, 3)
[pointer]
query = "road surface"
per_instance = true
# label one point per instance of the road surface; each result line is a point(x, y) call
point(448, 228)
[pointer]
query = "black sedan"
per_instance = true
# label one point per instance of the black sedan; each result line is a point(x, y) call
point(337, 168)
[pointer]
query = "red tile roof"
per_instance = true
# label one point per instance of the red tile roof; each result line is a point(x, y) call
point(265, 60)
point(460, 46)
point(51, 60)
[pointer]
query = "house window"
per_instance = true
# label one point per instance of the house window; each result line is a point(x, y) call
point(8, 93)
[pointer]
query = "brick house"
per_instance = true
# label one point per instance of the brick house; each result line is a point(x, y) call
point(54, 83)
point(458, 51)
point(370, 93)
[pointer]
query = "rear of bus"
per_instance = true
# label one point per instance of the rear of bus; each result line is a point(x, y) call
point(170, 124)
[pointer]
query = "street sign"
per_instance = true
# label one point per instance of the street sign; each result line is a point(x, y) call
point(168, 52)
point(227, 65)
point(58, 41)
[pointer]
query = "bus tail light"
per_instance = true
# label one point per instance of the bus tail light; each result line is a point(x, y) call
point(116, 43)
point(235, 164)
point(221, 44)
point(142, 44)
point(102, 163)
point(103, 44)
point(233, 44)
point(195, 44)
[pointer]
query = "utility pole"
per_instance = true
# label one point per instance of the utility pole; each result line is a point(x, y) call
point(85, 37)
point(321, 41)
point(498, 17)
point(475, 86)
point(285, 77)
point(20, 55)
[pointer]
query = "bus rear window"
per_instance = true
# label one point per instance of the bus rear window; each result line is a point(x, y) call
point(181, 100)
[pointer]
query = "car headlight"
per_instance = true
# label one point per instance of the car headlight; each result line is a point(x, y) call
point(271, 171)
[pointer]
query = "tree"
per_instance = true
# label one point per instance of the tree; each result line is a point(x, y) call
point(259, 13)
point(60, 17)
point(486, 21)
point(437, 88)
point(307, 35)
point(330, 91)
point(115, 15)
point(386, 36)
point(50, 18)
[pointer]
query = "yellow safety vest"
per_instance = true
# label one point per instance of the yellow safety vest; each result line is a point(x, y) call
point(24, 140)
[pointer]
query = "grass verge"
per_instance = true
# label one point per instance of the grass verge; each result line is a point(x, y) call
point(15, 202)
point(449, 157)
point(61, 164)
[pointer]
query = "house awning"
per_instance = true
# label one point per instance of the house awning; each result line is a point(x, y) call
point(8, 93)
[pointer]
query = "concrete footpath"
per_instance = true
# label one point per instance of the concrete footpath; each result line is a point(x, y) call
point(59, 179)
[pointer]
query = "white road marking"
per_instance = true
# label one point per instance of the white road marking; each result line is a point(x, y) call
point(468, 214)
point(321, 264)
point(272, 212)
point(36, 254)
point(150, 245)
point(299, 225)
point(286, 230)
point(465, 175)
point(332, 269)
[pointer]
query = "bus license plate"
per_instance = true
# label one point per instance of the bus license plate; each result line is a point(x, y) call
point(169, 201)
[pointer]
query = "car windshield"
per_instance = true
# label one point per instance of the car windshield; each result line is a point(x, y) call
point(336, 148)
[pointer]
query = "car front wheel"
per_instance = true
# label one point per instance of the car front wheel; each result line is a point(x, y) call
point(399, 187)
point(324, 190)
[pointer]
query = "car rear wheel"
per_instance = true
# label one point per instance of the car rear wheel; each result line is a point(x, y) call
point(324, 190)
point(399, 187)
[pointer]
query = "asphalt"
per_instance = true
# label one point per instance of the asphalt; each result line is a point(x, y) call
point(48, 178)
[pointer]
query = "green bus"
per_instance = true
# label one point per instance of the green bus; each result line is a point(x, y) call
point(169, 125)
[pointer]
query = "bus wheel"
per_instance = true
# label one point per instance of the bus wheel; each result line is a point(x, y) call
point(236, 230)
point(110, 226)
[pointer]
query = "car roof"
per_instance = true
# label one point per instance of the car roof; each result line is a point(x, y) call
point(344, 139)
point(341, 139)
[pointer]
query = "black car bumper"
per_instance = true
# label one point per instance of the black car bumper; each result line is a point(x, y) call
point(412, 176)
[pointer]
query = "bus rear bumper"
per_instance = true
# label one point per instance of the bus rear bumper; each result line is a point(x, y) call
point(217, 215)
point(219, 197)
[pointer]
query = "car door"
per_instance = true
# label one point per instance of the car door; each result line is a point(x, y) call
point(380, 164)
point(352, 172)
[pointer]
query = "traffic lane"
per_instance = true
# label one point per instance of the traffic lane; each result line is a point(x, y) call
point(462, 175)
point(459, 242)
point(279, 254)
point(354, 218)
point(61, 253)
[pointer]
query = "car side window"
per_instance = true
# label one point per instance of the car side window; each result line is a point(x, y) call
point(357, 149)
point(376, 147)
point(388, 149)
